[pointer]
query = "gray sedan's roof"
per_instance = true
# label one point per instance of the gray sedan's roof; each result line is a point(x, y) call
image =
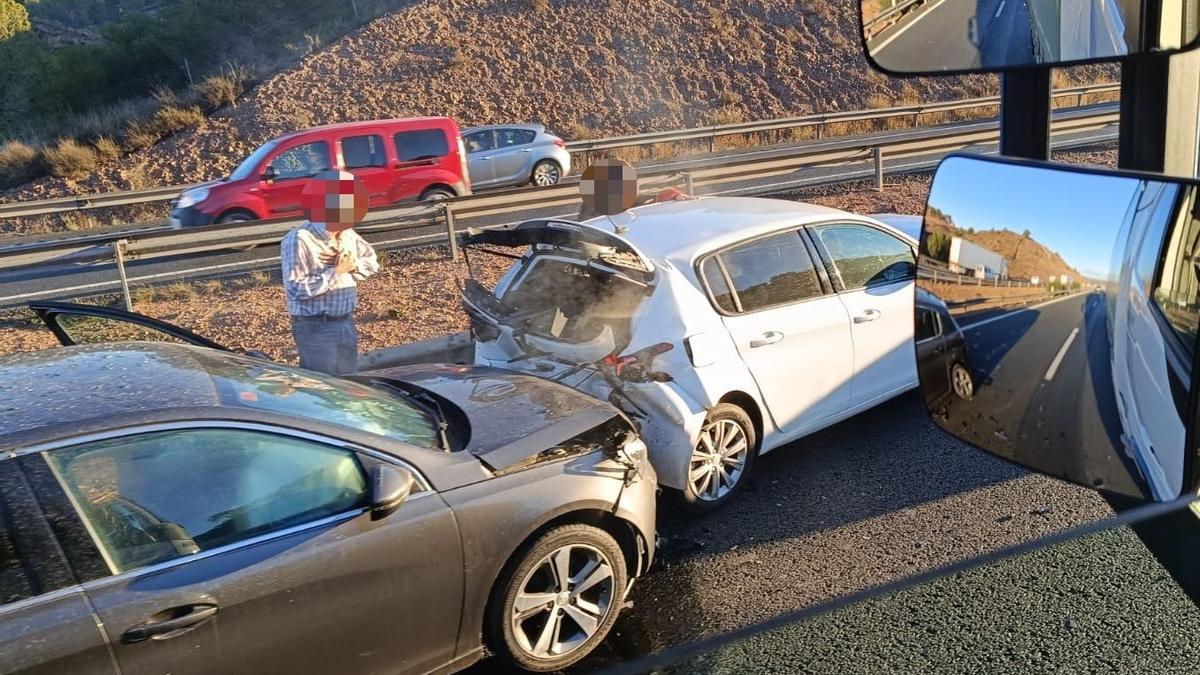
point(60, 387)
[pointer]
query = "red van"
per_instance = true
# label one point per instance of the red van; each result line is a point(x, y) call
point(398, 160)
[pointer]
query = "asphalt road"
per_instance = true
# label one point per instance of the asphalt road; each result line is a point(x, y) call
point(875, 499)
point(1044, 394)
point(938, 37)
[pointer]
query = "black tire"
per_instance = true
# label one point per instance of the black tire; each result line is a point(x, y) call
point(528, 568)
point(437, 194)
point(690, 497)
point(236, 216)
point(547, 165)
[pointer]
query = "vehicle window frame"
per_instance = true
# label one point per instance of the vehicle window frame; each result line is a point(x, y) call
point(26, 528)
point(279, 152)
point(489, 132)
point(698, 265)
point(513, 130)
point(341, 141)
point(367, 457)
point(937, 319)
point(835, 275)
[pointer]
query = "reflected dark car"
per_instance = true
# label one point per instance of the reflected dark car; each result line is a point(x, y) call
point(941, 351)
point(179, 508)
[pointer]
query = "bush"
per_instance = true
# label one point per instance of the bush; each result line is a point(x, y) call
point(107, 149)
point(13, 19)
point(139, 136)
point(219, 91)
point(18, 163)
point(70, 160)
point(169, 119)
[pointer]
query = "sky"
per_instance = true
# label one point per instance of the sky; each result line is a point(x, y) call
point(1076, 215)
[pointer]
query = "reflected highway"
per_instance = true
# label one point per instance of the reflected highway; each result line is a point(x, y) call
point(1036, 368)
point(938, 37)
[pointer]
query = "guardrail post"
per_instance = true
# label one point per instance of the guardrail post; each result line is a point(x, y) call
point(119, 253)
point(935, 276)
point(451, 232)
point(712, 143)
point(878, 152)
point(689, 186)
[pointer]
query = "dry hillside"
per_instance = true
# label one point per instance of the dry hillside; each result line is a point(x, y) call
point(583, 67)
point(1026, 257)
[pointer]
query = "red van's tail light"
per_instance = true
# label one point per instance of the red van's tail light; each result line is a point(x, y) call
point(462, 161)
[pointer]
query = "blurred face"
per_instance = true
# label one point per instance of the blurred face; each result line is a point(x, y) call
point(609, 186)
point(337, 199)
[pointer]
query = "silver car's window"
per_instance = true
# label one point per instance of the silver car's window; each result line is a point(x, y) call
point(302, 161)
point(510, 137)
point(864, 255)
point(480, 141)
point(770, 271)
point(154, 497)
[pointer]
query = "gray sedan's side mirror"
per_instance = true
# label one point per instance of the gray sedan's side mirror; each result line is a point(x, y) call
point(390, 486)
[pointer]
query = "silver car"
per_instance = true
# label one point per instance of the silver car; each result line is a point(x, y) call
point(515, 154)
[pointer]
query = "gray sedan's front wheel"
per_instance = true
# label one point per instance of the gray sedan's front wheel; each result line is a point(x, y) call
point(559, 600)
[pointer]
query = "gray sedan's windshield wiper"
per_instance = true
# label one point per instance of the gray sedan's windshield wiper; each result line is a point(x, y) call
point(426, 403)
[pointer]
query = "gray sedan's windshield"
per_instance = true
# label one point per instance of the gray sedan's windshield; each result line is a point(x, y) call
point(327, 399)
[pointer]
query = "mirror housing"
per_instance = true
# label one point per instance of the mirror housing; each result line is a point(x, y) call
point(390, 486)
point(970, 36)
point(1057, 320)
point(269, 174)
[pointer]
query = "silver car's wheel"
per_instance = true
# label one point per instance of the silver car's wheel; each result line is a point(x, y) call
point(558, 599)
point(719, 460)
point(961, 382)
point(546, 173)
point(563, 601)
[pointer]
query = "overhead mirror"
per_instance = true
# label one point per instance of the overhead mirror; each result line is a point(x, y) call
point(1056, 320)
point(940, 36)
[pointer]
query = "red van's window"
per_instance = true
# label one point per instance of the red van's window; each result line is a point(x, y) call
point(302, 161)
point(359, 152)
point(423, 144)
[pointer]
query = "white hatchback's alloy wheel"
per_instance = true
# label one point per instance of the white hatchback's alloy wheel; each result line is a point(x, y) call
point(718, 460)
point(960, 380)
point(546, 174)
point(563, 601)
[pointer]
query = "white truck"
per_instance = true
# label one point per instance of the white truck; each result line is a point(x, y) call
point(970, 258)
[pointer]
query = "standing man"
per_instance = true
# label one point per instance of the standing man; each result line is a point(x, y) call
point(323, 260)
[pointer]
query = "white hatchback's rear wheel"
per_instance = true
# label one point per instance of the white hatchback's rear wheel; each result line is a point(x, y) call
point(721, 460)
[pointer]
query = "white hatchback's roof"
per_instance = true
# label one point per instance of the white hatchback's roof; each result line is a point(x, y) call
point(683, 230)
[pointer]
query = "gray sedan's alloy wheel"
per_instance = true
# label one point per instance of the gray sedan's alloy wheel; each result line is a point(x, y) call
point(546, 173)
point(561, 599)
point(961, 382)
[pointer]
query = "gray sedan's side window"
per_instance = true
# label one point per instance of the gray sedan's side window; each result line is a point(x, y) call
point(153, 497)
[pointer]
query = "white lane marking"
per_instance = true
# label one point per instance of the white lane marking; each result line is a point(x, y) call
point(1062, 351)
point(885, 43)
point(999, 10)
point(1007, 315)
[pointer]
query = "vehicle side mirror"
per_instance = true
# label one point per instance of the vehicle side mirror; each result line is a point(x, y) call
point(915, 36)
point(1058, 312)
point(269, 174)
point(390, 486)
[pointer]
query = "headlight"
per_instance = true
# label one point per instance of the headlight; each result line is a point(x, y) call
point(633, 452)
point(192, 197)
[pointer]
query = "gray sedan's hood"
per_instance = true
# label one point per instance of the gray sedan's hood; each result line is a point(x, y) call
point(513, 417)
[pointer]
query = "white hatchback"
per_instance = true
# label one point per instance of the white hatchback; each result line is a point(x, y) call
point(726, 326)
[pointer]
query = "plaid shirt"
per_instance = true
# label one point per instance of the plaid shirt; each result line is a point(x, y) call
point(313, 288)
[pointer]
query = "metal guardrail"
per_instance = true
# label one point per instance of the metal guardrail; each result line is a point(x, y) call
point(870, 28)
point(43, 207)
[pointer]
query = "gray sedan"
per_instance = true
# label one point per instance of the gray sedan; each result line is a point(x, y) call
point(179, 508)
point(515, 154)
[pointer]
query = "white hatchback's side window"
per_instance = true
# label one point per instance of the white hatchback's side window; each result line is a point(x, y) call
point(766, 272)
point(157, 496)
point(865, 256)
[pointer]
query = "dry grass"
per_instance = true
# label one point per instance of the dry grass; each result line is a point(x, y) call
point(219, 91)
point(70, 160)
point(458, 60)
point(539, 5)
point(107, 149)
point(18, 163)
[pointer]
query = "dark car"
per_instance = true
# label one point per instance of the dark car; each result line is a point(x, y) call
point(178, 508)
point(941, 351)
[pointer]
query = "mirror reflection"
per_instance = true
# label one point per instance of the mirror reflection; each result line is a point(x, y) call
point(1056, 320)
point(920, 36)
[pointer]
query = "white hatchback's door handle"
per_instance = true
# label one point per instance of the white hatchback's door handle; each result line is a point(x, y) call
point(867, 315)
point(768, 338)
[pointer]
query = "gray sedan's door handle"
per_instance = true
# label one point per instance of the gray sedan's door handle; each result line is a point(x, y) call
point(185, 617)
point(768, 338)
point(868, 315)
